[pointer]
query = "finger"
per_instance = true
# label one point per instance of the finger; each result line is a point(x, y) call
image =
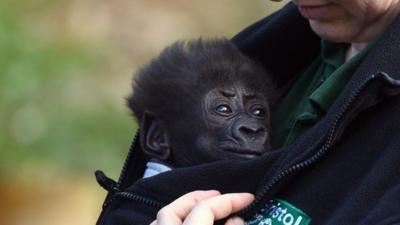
point(218, 207)
point(235, 221)
point(176, 211)
point(184, 204)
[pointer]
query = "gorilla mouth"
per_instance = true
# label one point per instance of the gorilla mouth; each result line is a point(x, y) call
point(243, 152)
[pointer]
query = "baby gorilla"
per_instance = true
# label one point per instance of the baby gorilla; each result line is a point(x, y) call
point(201, 101)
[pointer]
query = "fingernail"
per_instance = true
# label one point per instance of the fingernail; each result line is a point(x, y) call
point(237, 221)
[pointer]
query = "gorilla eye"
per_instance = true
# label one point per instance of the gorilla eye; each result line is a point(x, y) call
point(258, 111)
point(223, 110)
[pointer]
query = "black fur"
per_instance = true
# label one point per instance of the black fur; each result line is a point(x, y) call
point(172, 84)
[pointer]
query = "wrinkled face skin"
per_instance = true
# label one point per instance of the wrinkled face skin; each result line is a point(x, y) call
point(351, 21)
point(237, 124)
point(230, 122)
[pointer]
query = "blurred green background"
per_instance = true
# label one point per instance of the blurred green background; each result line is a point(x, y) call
point(65, 68)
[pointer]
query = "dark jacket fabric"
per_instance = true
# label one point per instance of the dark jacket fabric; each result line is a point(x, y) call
point(344, 170)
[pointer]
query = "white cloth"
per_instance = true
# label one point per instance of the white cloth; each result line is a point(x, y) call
point(153, 168)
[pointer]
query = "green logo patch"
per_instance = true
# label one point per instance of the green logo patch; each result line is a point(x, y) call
point(280, 212)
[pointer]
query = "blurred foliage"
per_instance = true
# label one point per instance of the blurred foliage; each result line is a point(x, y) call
point(51, 114)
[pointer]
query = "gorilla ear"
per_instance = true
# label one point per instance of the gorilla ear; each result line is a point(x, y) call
point(153, 137)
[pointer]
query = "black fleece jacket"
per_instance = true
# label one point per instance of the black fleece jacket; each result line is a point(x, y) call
point(344, 170)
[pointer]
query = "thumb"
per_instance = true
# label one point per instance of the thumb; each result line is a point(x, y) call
point(235, 221)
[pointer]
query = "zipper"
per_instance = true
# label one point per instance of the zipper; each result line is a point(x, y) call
point(109, 184)
point(138, 198)
point(128, 195)
point(314, 158)
point(115, 190)
point(127, 160)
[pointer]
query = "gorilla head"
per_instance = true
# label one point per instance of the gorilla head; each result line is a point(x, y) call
point(201, 101)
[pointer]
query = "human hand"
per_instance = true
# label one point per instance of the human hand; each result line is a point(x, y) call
point(203, 208)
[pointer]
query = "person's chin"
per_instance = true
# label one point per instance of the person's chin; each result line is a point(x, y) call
point(329, 31)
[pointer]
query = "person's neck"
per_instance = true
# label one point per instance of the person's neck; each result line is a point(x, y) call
point(354, 49)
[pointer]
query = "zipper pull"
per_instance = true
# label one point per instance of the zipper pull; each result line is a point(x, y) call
point(106, 182)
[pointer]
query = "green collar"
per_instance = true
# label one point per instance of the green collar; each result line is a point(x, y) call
point(333, 54)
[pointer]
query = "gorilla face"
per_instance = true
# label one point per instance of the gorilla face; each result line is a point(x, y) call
point(237, 122)
point(233, 124)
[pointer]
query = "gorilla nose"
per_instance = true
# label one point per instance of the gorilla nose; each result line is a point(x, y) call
point(251, 132)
